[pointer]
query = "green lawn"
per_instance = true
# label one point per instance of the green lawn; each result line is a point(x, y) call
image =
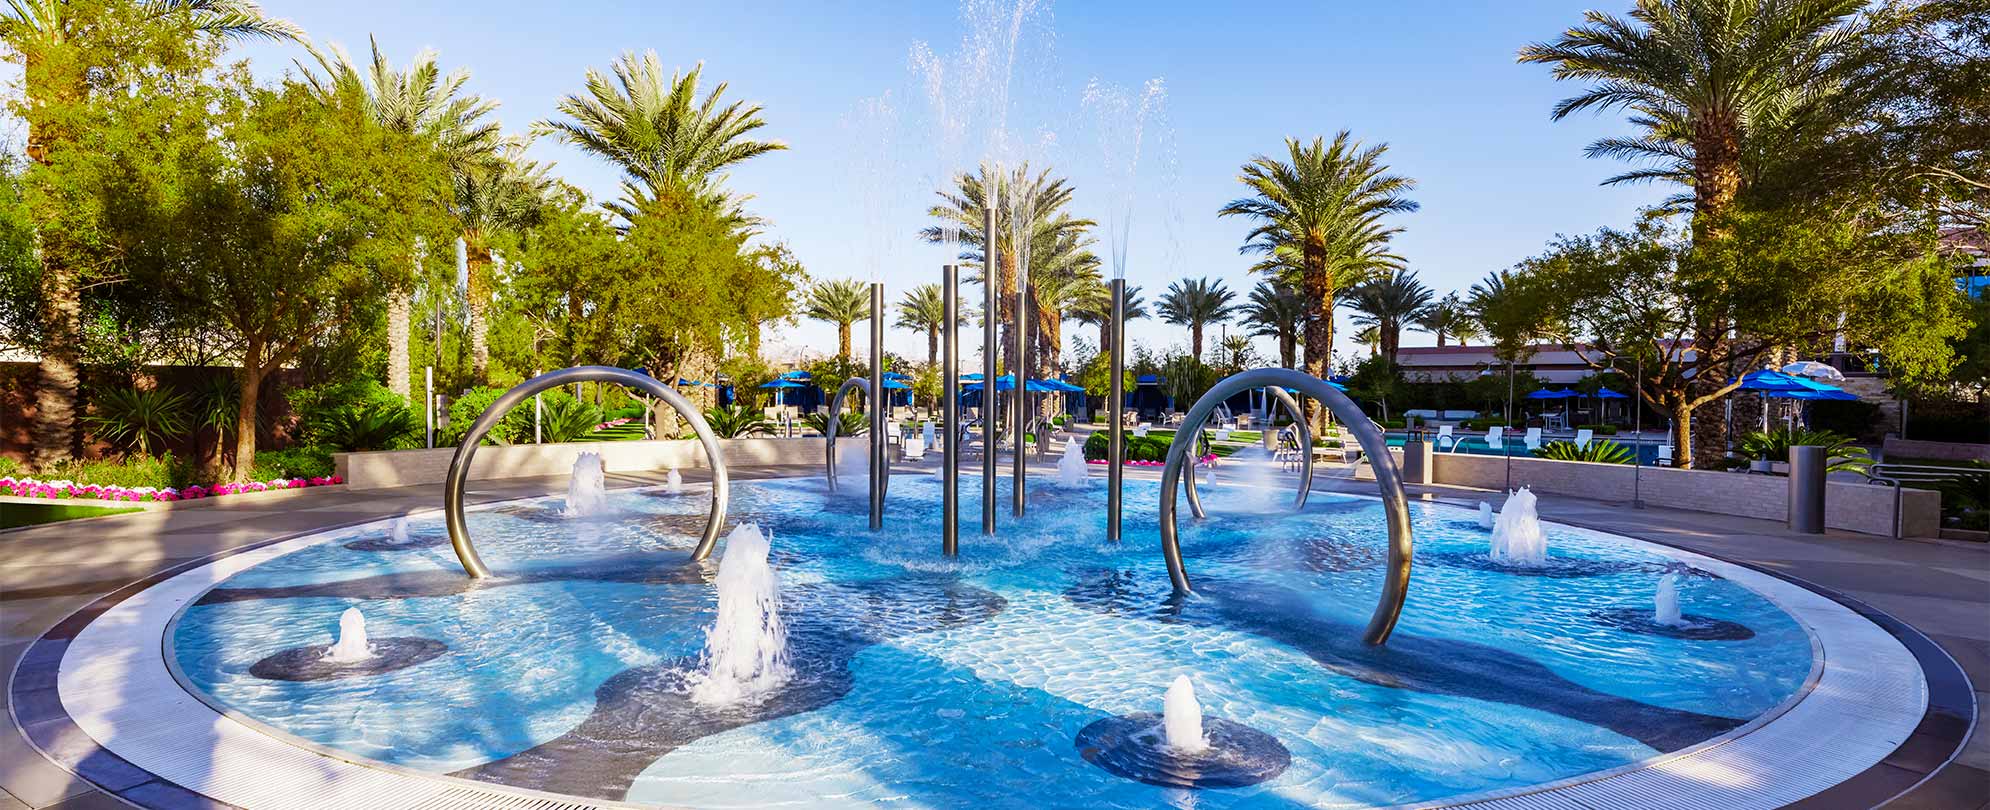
point(13, 515)
point(625, 432)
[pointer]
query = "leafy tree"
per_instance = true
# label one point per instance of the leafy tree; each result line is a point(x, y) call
point(1197, 303)
point(1320, 224)
point(494, 196)
point(841, 302)
point(566, 275)
point(1507, 316)
point(767, 293)
point(686, 298)
point(1387, 304)
point(1277, 311)
point(77, 57)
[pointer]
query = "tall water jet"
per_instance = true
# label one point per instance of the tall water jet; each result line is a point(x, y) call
point(746, 649)
point(397, 532)
point(1517, 539)
point(1181, 718)
point(1666, 602)
point(587, 490)
point(1485, 516)
point(351, 645)
point(1071, 469)
point(673, 482)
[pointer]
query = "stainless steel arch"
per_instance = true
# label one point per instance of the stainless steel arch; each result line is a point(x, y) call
point(1306, 457)
point(1395, 505)
point(459, 464)
point(834, 421)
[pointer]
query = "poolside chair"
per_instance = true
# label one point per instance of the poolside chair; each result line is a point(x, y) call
point(1444, 438)
point(1664, 455)
point(1496, 437)
point(1140, 429)
point(1532, 439)
point(913, 449)
point(1582, 438)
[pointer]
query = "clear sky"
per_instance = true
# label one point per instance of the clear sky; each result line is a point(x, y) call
point(1434, 79)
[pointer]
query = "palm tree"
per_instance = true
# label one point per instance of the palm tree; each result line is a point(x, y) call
point(1278, 311)
point(61, 66)
point(1099, 313)
point(1449, 317)
point(1319, 217)
point(1371, 337)
point(1701, 77)
point(1197, 303)
point(501, 193)
point(841, 302)
point(1387, 304)
point(1060, 297)
point(423, 102)
point(666, 140)
point(1030, 219)
point(924, 308)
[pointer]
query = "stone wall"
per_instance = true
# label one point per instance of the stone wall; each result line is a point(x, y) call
point(1948, 451)
point(395, 468)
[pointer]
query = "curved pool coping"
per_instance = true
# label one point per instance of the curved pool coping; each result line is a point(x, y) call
point(122, 717)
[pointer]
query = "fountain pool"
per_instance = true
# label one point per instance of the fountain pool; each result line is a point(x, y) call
point(919, 681)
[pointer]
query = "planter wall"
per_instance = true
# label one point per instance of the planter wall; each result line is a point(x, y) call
point(399, 468)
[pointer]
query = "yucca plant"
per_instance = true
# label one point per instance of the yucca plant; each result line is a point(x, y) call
point(132, 419)
point(568, 420)
point(737, 421)
point(1775, 445)
point(1600, 452)
point(850, 424)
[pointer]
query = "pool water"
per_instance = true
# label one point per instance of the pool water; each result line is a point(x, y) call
point(929, 683)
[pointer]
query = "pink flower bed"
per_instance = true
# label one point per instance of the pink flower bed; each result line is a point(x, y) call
point(34, 488)
point(1204, 461)
point(615, 423)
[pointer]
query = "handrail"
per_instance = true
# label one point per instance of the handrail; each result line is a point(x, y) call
point(1395, 504)
point(834, 421)
point(1896, 476)
point(458, 477)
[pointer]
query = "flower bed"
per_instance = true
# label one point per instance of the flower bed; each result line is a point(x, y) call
point(1204, 461)
point(614, 423)
point(63, 489)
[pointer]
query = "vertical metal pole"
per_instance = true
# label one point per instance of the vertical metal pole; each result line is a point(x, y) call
point(428, 384)
point(1638, 430)
point(950, 414)
point(538, 410)
point(1115, 402)
point(880, 466)
point(991, 284)
point(1506, 449)
point(1020, 399)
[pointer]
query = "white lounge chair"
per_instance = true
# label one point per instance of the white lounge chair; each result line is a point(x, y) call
point(1582, 438)
point(1444, 438)
point(1532, 439)
point(1496, 438)
point(1140, 429)
point(1665, 455)
point(914, 449)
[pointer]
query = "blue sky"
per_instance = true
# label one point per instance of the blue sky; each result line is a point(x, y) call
point(1437, 81)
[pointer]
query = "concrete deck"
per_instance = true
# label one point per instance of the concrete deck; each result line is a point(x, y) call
point(47, 572)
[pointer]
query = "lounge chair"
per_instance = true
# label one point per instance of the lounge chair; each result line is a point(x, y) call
point(914, 449)
point(1532, 439)
point(1582, 438)
point(1664, 455)
point(1444, 438)
point(1496, 438)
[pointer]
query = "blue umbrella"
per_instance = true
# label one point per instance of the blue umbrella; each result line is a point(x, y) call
point(1605, 393)
point(1547, 394)
point(891, 383)
point(778, 385)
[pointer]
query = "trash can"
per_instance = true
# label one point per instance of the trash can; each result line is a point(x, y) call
point(1807, 464)
point(1417, 461)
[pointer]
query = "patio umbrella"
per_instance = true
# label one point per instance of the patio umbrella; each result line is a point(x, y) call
point(779, 387)
point(1813, 370)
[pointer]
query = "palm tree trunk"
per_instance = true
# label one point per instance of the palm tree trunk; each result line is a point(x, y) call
point(399, 374)
point(843, 339)
point(477, 301)
point(1195, 340)
point(1319, 325)
point(1288, 348)
point(932, 344)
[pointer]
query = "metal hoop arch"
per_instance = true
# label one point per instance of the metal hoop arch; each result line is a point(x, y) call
point(1305, 435)
point(459, 465)
point(1395, 504)
point(834, 420)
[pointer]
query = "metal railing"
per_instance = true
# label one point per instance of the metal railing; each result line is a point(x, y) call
point(1900, 476)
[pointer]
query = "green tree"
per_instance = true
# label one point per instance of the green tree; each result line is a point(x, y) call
point(1320, 225)
point(493, 197)
point(75, 55)
point(841, 302)
point(924, 309)
point(666, 139)
point(1279, 312)
point(423, 102)
point(566, 274)
point(1387, 304)
point(1197, 303)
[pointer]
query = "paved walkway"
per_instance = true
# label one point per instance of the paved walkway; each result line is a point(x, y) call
point(47, 572)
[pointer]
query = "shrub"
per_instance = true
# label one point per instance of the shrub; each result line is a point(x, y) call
point(472, 404)
point(1395, 424)
point(136, 420)
point(633, 410)
point(1138, 448)
point(1601, 452)
point(739, 421)
point(562, 419)
point(1482, 424)
point(318, 405)
point(310, 461)
point(1600, 430)
point(376, 425)
point(847, 424)
point(10, 468)
point(130, 472)
point(1775, 445)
